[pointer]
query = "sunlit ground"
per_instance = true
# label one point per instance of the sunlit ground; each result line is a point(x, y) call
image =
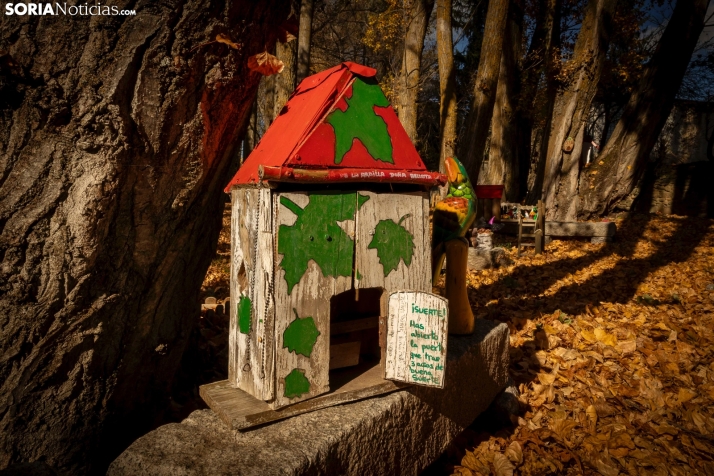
point(611, 348)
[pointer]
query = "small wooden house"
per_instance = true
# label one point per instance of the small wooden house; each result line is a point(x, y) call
point(329, 215)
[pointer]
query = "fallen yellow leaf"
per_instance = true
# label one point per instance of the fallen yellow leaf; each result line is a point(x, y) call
point(546, 379)
point(626, 347)
point(602, 336)
point(685, 395)
point(588, 335)
point(592, 416)
point(502, 465)
point(514, 453)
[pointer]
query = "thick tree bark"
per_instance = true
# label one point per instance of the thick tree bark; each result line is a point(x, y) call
point(540, 60)
point(473, 144)
point(447, 81)
point(115, 145)
point(503, 156)
point(625, 156)
point(285, 82)
point(304, 39)
point(416, 20)
point(562, 170)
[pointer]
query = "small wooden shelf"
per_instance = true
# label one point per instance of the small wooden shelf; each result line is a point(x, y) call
point(240, 411)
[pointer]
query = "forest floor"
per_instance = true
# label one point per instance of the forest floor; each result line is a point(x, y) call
point(612, 349)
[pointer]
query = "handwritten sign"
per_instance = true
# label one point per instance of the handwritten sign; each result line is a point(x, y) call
point(417, 328)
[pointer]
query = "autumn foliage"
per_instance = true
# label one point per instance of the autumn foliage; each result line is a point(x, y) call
point(611, 349)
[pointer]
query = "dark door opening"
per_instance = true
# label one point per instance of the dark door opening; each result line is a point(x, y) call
point(354, 334)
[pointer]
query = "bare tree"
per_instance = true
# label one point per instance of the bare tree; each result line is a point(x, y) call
point(540, 62)
point(266, 103)
point(447, 80)
point(304, 39)
point(417, 18)
point(473, 143)
point(562, 169)
point(625, 156)
point(250, 140)
point(503, 158)
point(285, 81)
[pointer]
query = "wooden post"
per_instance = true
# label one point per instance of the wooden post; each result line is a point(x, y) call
point(461, 318)
point(541, 216)
point(520, 229)
point(487, 208)
point(541, 221)
point(496, 209)
point(538, 241)
point(479, 209)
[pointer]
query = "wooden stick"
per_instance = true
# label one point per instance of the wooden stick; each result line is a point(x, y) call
point(496, 210)
point(348, 174)
point(461, 318)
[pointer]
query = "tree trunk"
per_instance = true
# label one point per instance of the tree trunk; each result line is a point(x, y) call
point(116, 135)
point(503, 160)
point(304, 38)
point(251, 134)
point(285, 82)
point(540, 60)
point(266, 102)
point(562, 170)
point(473, 144)
point(447, 81)
point(625, 156)
point(417, 19)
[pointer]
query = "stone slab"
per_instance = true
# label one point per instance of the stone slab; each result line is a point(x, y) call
point(400, 433)
point(479, 259)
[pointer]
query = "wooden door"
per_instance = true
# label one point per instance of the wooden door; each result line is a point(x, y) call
point(314, 261)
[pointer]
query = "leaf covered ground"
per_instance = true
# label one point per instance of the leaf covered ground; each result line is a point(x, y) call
point(611, 349)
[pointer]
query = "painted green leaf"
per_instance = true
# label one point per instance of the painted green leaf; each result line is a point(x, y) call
point(296, 384)
point(393, 243)
point(360, 121)
point(244, 306)
point(316, 236)
point(301, 335)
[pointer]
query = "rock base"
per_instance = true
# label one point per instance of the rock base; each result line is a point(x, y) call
point(485, 259)
point(400, 433)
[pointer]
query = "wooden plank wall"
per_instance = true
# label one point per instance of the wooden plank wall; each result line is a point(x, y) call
point(310, 297)
point(251, 355)
point(369, 272)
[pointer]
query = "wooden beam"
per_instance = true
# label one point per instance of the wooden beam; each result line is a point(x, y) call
point(354, 325)
point(344, 355)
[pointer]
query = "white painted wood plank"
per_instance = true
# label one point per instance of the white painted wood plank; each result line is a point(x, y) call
point(417, 330)
point(237, 205)
point(309, 298)
point(410, 211)
point(251, 354)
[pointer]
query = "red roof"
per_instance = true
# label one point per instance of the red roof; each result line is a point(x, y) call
point(309, 141)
